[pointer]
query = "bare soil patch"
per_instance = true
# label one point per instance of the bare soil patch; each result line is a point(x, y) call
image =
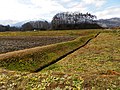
point(14, 43)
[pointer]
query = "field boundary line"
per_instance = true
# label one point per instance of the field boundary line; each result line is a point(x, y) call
point(65, 55)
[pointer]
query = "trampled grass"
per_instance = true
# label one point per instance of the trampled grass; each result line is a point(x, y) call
point(95, 66)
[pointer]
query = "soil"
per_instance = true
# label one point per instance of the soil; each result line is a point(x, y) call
point(14, 43)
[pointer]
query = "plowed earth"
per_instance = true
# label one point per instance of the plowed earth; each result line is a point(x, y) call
point(13, 43)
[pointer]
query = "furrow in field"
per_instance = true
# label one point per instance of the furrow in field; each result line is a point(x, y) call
point(65, 55)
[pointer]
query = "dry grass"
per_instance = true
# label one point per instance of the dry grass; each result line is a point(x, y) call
point(98, 63)
point(50, 33)
point(95, 66)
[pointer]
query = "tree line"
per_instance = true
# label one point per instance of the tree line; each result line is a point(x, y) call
point(76, 20)
point(61, 21)
point(35, 25)
point(9, 28)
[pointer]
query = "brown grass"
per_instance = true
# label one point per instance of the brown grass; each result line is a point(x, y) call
point(95, 66)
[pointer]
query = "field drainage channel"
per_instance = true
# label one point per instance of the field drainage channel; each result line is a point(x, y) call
point(58, 59)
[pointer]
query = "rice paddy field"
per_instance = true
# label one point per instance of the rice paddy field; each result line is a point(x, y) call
point(93, 66)
point(13, 41)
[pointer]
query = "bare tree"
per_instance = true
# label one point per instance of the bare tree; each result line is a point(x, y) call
point(71, 18)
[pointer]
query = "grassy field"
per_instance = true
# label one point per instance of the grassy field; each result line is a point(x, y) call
point(50, 33)
point(98, 64)
point(95, 66)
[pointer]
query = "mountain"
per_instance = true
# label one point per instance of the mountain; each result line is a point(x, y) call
point(7, 22)
point(109, 23)
point(19, 24)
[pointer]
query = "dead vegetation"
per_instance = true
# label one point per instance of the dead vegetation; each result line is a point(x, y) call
point(95, 66)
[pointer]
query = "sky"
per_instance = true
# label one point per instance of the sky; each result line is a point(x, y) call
point(20, 10)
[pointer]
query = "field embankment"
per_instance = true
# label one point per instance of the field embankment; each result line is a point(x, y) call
point(38, 57)
point(96, 65)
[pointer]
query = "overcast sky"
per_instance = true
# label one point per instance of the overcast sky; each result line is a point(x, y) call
point(21, 10)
